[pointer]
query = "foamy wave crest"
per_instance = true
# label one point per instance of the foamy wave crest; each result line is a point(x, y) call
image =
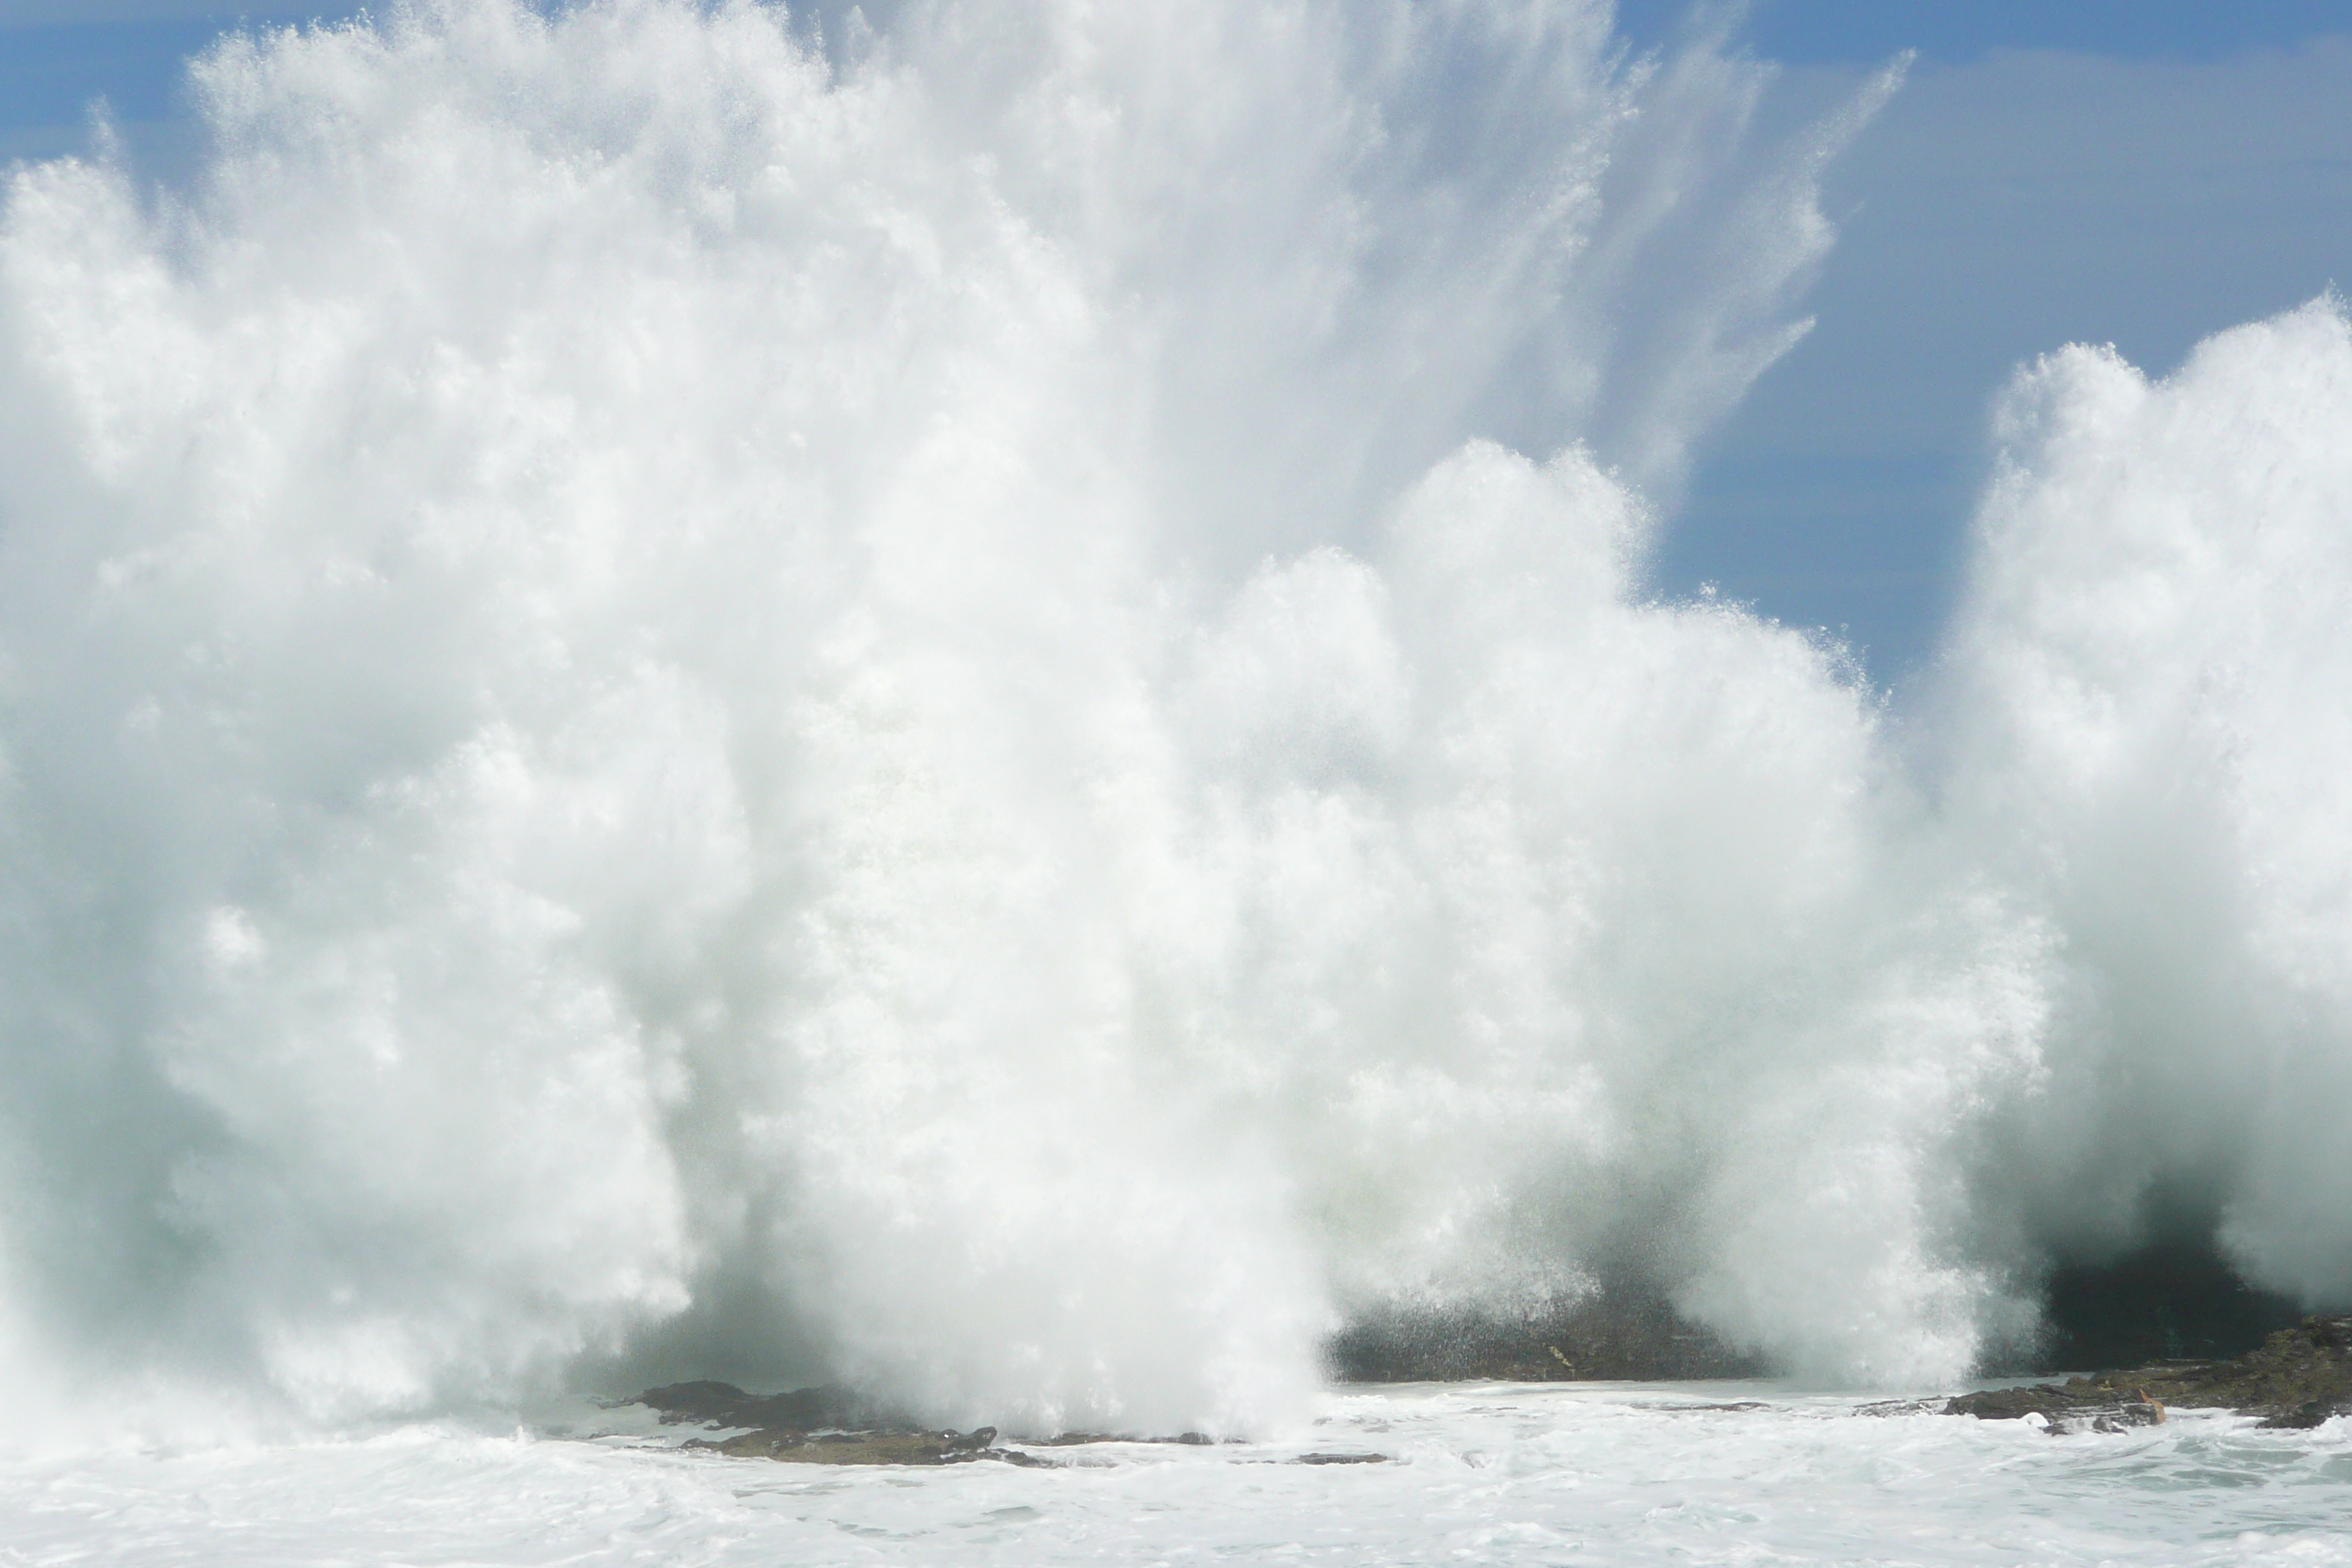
point(685, 693)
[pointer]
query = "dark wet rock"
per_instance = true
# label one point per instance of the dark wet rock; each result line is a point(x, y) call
point(1016, 1457)
point(1341, 1460)
point(1613, 1335)
point(812, 1427)
point(1083, 1439)
point(836, 1427)
point(724, 1405)
point(2060, 1410)
point(858, 1447)
point(2310, 1412)
point(2300, 1376)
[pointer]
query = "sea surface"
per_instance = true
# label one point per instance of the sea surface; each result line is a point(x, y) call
point(1619, 1473)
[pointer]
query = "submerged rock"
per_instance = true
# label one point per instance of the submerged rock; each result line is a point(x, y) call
point(2300, 1377)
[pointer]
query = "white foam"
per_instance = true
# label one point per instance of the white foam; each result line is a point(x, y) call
point(1489, 1474)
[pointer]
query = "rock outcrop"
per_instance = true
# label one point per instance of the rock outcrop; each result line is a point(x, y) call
point(2300, 1377)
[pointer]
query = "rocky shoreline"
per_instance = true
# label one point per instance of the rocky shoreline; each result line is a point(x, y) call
point(2298, 1378)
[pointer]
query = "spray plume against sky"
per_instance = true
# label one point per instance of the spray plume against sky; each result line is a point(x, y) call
point(993, 700)
point(2136, 172)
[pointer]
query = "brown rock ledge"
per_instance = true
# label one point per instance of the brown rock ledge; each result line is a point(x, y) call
point(2299, 1377)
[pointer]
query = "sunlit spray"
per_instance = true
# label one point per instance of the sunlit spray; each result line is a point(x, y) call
point(962, 699)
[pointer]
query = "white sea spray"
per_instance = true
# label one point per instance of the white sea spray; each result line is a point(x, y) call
point(969, 705)
point(2150, 718)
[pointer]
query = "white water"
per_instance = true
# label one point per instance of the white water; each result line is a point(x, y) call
point(682, 700)
point(1491, 1474)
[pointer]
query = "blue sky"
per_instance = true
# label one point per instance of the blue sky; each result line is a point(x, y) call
point(2009, 200)
point(1813, 32)
point(2140, 174)
point(2136, 172)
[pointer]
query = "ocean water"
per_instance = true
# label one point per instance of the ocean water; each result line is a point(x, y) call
point(1492, 1473)
point(962, 699)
